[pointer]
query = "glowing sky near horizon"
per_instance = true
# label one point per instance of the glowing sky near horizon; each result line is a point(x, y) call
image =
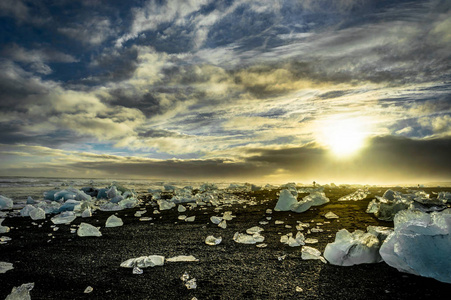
point(289, 90)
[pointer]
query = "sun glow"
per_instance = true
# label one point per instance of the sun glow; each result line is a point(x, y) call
point(344, 137)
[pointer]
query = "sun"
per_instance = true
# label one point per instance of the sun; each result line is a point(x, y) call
point(343, 137)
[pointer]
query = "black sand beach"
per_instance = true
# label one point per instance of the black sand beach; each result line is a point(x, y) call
point(64, 264)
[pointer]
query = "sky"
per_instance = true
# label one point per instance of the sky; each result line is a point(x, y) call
point(354, 91)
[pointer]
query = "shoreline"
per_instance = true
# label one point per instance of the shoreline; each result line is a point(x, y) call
point(63, 265)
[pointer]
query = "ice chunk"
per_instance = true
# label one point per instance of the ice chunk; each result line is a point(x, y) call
point(144, 261)
point(37, 214)
point(227, 215)
point(444, 196)
point(286, 201)
point(114, 221)
point(182, 258)
point(311, 241)
point(191, 284)
point(5, 202)
point(317, 198)
point(86, 229)
point(254, 230)
point(181, 208)
point(331, 215)
point(165, 205)
point(21, 293)
point(353, 248)
point(64, 218)
point(30, 200)
point(381, 232)
point(360, 194)
point(311, 253)
point(190, 219)
point(212, 241)
point(88, 290)
point(223, 224)
point(420, 244)
point(87, 213)
point(216, 220)
point(248, 239)
point(5, 267)
point(25, 212)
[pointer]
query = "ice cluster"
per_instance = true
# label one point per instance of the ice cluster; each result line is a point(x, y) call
point(360, 194)
point(420, 244)
point(356, 248)
point(288, 201)
point(291, 241)
point(386, 207)
point(243, 238)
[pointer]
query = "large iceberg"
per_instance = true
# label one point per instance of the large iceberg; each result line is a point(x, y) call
point(355, 248)
point(420, 244)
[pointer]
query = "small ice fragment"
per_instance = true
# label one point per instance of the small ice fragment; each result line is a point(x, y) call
point(86, 229)
point(88, 290)
point(181, 208)
point(299, 289)
point(73, 230)
point(254, 230)
point(263, 223)
point(311, 241)
point(156, 212)
point(212, 241)
point(288, 226)
point(216, 220)
point(282, 257)
point(191, 284)
point(262, 245)
point(137, 271)
point(114, 221)
point(311, 253)
point(185, 276)
point(269, 211)
point(190, 219)
point(4, 239)
point(181, 258)
point(331, 215)
point(56, 229)
point(278, 222)
point(5, 267)
point(145, 219)
point(4, 229)
point(317, 230)
point(144, 261)
point(21, 293)
point(181, 217)
point(223, 224)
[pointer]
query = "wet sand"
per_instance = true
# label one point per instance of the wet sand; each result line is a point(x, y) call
point(63, 265)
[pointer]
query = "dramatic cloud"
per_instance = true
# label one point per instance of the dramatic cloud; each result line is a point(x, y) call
point(226, 89)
